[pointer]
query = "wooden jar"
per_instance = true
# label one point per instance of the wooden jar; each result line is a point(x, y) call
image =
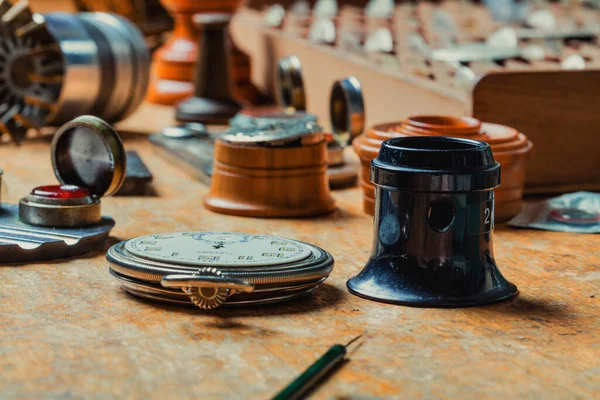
point(510, 148)
point(264, 181)
point(173, 65)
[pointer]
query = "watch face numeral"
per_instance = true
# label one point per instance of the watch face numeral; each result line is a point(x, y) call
point(278, 243)
point(174, 254)
point(151, 242)
point(278, 255)
point(287, 249)
point(153, 249)
point(245, 258)
point(209, 258)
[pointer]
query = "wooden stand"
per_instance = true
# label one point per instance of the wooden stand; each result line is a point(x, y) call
point(511, 149)
point(251, 181)
point(174, 63)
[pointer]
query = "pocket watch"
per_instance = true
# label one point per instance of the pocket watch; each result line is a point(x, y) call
point(210, 269)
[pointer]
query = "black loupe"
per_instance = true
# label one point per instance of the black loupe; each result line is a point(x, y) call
point(433, 225)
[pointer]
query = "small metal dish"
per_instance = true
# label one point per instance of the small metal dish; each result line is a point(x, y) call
point(89, 161)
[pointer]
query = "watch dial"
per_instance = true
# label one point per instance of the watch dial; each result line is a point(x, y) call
point(218, 249)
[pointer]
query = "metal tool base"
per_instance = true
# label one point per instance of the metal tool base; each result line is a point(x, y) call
point(20, 242)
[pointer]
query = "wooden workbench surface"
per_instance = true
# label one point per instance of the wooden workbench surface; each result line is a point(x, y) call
point(68, 331)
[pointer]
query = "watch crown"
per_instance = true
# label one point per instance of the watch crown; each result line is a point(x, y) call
point(207, 298)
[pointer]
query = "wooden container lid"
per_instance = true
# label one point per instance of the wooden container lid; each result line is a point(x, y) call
point(510, 148)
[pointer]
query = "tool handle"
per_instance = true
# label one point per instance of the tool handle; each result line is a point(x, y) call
point(313, 373)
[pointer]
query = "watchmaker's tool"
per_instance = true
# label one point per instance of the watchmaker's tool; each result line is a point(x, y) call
point(213, 100)
point(434, 222)
point(577, 212)
point(137, 177)
point(510, 147)
point(210, 269)
point(89, 161)
point(271, 172)
point(173, 65)
point(45, 59)
point(56, 221)
point(310, 378)
point(188, 148)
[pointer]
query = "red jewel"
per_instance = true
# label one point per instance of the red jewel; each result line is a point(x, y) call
point(61, 192)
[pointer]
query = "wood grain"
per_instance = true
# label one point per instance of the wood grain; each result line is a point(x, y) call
point(557, 112)
point(270, 181)
point(68, 331)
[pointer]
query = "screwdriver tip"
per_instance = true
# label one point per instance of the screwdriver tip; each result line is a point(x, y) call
point(354, 340)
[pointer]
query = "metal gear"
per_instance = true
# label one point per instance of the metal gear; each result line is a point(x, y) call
point(30, 70)
point(207, 298)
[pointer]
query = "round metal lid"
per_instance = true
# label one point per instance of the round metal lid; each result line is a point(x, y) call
point(347, 110)
point(218, 249)
point(270, 116)
point(276, 135)
point(88, 152)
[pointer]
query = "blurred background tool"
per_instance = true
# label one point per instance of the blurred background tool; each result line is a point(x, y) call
point(174, 63)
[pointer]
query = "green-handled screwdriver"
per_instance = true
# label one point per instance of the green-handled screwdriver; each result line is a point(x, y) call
point(334, 356)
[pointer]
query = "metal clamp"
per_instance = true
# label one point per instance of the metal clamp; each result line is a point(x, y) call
point(208, 288)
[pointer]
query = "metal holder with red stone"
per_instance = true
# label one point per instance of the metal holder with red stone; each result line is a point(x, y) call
point(56, 221)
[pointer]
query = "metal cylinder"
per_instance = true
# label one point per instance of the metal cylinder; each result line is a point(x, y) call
point(433, 225)
point(110, 55)
point(58, 66)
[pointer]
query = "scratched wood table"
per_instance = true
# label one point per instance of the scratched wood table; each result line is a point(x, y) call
point(68, 331)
